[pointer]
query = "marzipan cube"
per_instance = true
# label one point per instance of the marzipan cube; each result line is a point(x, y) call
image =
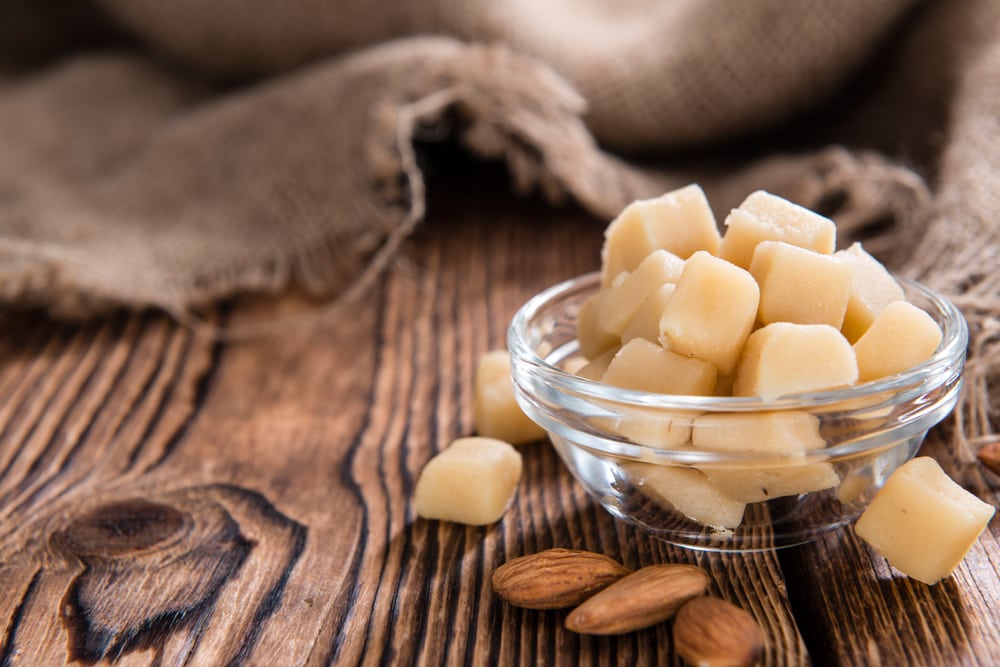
point(680, 221)
point(496, 413)
point(574, 363)
point(646, 322)
point(783, 358)
point(598, 366)
point(854, 485)
point(901, 337)
point(646, 366)
point(711, 311)
point(766, 217)
point(687, 491)
point(621, 302)
point(653, 428)
point(776, 432)
point(872, 289)
point(470, 482)
point(922, 521)
point(799, 285)
point(592, 332)
point(754, 485)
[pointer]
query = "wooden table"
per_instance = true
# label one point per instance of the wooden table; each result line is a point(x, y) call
point(166, 499)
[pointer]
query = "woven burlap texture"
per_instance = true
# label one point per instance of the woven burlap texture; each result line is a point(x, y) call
point(171, 154)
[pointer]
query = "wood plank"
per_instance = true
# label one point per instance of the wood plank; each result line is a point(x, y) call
point(275, 475)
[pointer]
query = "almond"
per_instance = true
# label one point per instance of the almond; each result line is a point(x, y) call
point(555, 578)
point(710, 632)
point(643, 598)
point(989, 456)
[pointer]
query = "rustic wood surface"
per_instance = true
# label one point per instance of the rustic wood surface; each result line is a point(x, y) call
point(166, 499)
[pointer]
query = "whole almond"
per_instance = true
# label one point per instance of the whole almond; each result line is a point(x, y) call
point(710, 632)
point(555, 578)
point(644, 598)
point(989, 456)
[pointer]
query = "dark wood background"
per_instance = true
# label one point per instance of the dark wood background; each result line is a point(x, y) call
point(166, 499)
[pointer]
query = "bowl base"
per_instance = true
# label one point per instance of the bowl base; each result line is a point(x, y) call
point(679, 531)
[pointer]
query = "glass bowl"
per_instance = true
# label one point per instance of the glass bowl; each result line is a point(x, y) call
point(632, 450)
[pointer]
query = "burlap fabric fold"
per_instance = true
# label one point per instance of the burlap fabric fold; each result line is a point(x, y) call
point(170, 154)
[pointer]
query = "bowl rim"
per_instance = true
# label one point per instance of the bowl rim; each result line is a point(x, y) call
point(949, 354)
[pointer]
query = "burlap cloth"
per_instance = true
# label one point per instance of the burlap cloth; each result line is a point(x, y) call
point(173, 153)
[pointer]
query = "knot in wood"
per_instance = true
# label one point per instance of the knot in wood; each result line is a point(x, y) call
point(122, 527)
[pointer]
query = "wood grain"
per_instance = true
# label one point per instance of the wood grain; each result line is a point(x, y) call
point(885, 617)
point(167, 499)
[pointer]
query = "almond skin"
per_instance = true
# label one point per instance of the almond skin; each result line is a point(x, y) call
point(989, 456)
point(644, 598)
point(710, 632)
point(555, 578)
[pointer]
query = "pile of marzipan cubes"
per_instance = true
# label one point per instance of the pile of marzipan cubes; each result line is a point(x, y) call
point(767, 310)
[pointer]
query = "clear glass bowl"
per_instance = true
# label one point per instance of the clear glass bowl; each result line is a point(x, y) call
point(632, 450)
